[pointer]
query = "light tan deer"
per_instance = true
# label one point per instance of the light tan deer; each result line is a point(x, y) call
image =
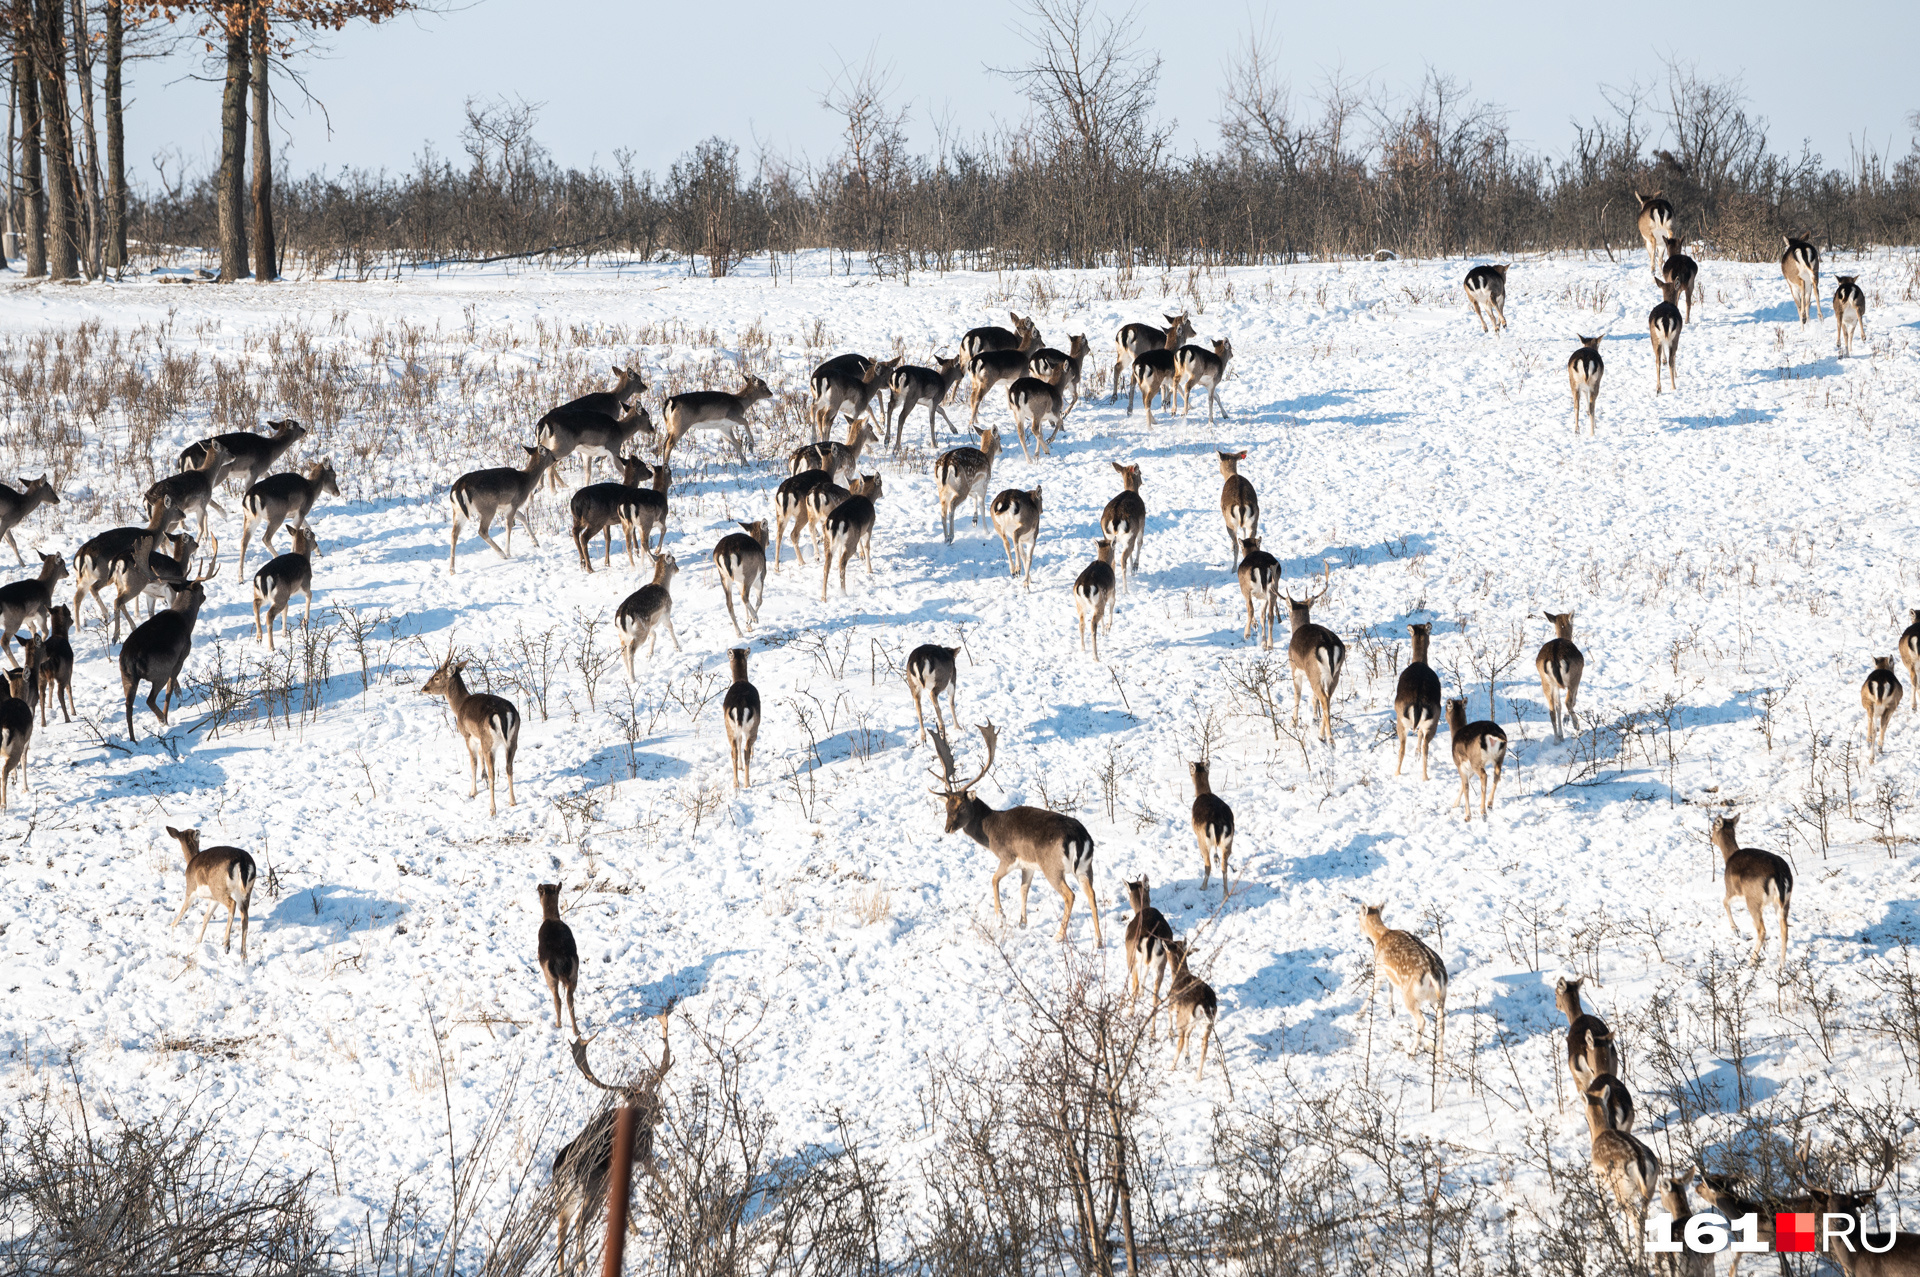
point(487, 725)
point(1035, 403)
point(1212, 827)
point(1414, 971)
point(1880, 697)
point(1560, 664)
point(740, 711)
point(224, 876)
point(1416, 700)
point(1756, 877)
point(645, 612)
point(913, 385)
point(1016, 517)
point(1849, 311)
point(1155, 374)
point(1189, 998)
point(1315, 655)
point(839, 388)
point(836, 458)
point(1664, 326)
point(1655, 224)
point(711, 410)
point(931, 670)
point(1801, 266)
point(741, 561)
point(1584, 370)
point(964, 472)
point(1624, 1166)
point(481, 494)
point(1487, 293)
point(282, 577)
point(1124, 522)
point(1198, 366)
point(1093, 593)
point(1477, 748)
point(1239, 503)
point(1259, 574)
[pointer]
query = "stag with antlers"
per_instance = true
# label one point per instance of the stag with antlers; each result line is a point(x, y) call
point(604, 1154)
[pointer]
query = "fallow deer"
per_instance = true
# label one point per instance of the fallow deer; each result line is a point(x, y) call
point(1416, 700)
point(1134, 340)
point(1584, 370)
point(156, 575)
point(1239, 503)
point(1855, 1251)
point(29, 603)
point(1016, 517)
point(1687, 1263)
point(1154, 374)
point(1616, 1101)
point(1623, 1164)
point(1036, 403)
point(1723, 1195)
point(1477, 747)
point(1198, 366)
point(1315, 655)
point(480, 494)
point(628, 385)
point(741, 561)
point(1757, 877)
point(56, 665)
point(557, 954)
point(790, 509)
point(1487, 293)
point(591, 433)
point(1212, 827)
point(988, 371)
point(1801, 266)
point(1124, 521)
point(1663, 329)
point(250, 457)
point(1190, 998)
point(931, 670)
point(645, 611)
point(99, 560)
point(1655, 224)
point(1590, 1049)
point(1029, 838)
point(913, 385)
point(964, 472)
point(1259, 574)
point(1910, 650)
point(1560, 664)
point(639, 511)
point(1146, 939)
point(1022, 337)
point(280, 579)
point(157, 649)
point(224, 876)
point(711, 410)
point(1880, 697)
point(16, 720)
point(1093, 595)
point(1682, 272)
point(15, 506)
point(1414, 971)
point(1849, 312)
point(849, 531)
point(583, 1168)
point(740, 712)
point(837, 390)
point(837, 459)
point(172, 499)
point(1062, 368)
point(289, 499)
point(488, 725)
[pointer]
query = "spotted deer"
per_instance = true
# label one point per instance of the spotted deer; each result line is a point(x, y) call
point(1147, 935)
point(741, 562)
point(1239, 503)
point(1154, 374)
point(1663, 329)
point(557, 954)
point(1656, 227)
point(849, 531)
point(15, 506)
point(1259, 574)
point(1036, 403)
point(1023, 336)
point(1093, 595)
point(1031, 839)
point(1016, 517)
point(1315, 656)
point(965, 472)
point(1801, 266)
point(1682, 272)
point(289, 499)
point(931, 670)
point(645, 612)
point(1135, 340)
point(488, 725)
point(1212, 827)
point(1124, 521)
point(1189, 998)
point(1590, 1049)
point(912, 385)
point(1198, 366)
point(1584, 370)
point(842, 389)
point(279, 579)
point(1560, 664)
point(1416, 700)
point(1487, 293)
point(1849, 312)
point(1477, 747)
point(838, 459)
point(717, 411)
point(1414, 971)
point(790, 509)
point(220, 875)
point(1880, 697)
point(740, 712)
point(1625, 1166)
point(1062, 367)
point(1616, 1101)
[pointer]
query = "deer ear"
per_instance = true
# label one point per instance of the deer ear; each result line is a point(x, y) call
point(172, 832)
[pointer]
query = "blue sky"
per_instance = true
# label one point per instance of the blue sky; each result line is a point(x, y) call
point(658, 78)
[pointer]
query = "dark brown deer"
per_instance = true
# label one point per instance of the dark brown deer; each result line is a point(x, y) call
point(591, 433)
point(1910, 650)
point(712, 410)
point(837, 459)
point(628, 385)
point(480, 494)
point(791, 515)
point(1880, 696)
point(487, 725)
point(223, 876)
point(931, 670)
point(172, 499)
point(1036, 403)
point(101, 558)
point(1682, 272)
point(557, 954)
point(1134, 340)
point(1487, 293)
point(1212, 827)
point(1849, 314)
point(1016, 517)
point(157, 649)
point(1560, 664)
point(1189, 998)
point(740, 710)
point(1584, 370)
point(849, 531)
point(1146, 938)
point(639, 511)
point(841, 389)
point(741, 562)
point(1198, 366)
point(1124, 522)
point(1093, 592)
point(28, 603)
point(1416, 700)
point(250, 457)
point(56, 665)
point(16, 720)
point(646, 611)
point(1315, 655)
point(282, 577)
point(1155, 375)
point(1590, 1050)
point(913, 385)
point(1259, 574)
point(1664, 326)
point(288, 499)
point(1062, 368)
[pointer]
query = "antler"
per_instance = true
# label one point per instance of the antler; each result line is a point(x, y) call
point(988, 733)
point(579, 1049)
point(945, 753)
point(580, 1062)
point(213, 562)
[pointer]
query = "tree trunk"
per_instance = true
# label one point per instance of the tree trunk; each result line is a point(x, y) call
point(83, 77)
point(10, 237)
point(26, 73)
point(265, 247)
point(233, 156)
point(63, 261)
point(116, 141)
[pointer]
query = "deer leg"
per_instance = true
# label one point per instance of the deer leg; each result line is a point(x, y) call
point(1005, 868)
point(553, 991)
point(184, 906)
point(571, 1017)
point(202, 937)
point(1400, 730)
point(1226, 850)
point(227, 945)
point(1066, 915)
point(484, 527)
point(132, 688)
point(1026, 886)
point(16, 548)
point(1093, 902)
point(526, 521)
point(920, 717)
point(473, 768)
point(1488, 791)
point(1759, 926)
point(726, 592)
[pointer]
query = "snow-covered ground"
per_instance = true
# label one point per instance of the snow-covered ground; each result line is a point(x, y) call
point(1747, 533)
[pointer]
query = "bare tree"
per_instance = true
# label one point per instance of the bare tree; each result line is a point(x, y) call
point(1091, 83)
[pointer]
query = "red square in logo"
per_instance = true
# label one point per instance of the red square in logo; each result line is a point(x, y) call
point(1793, 1232)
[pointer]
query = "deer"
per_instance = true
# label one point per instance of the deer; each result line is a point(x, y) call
point(250, 457)
point(1124, 521)
point(1190, 998)
point(1416, 700)
point(1093, 595)
point(1656, 227)
point(1663, 329)
point(1487, 294)
point(1723, 1194)
point(741, 561)
point(478, 495)
point(849, 531)
point(740, 710)
point(912, 385)
point(1757, 877)
point(15, 506)
point(639, 511)
point(1477, 746)
point(931, 670)
point(1801, 266)
point(1134, 340)
point(836, 459)
point(223, 876)
point(1584, 370)
point(1849, 314)
point(989, 370)
point(1212, 827)
point(1880, 696)
point(1022, 337)
point(1315, 655)
point(643, 613)
point(280, 579)
point(172, 499)
point(56, 665)
point(1198, 366)
point(289, 498)
point(1034, 403)
point(29, 603)
point(841, 389)
point(1147, 935)
point(1910, 650)
point(964, 472)
point(791, 509)
point(1239, 503)
point(1682, 272)
point(557, 954)
point(101, 558)
point(1560, 665)
point(1892, 1254)
point(157, 649)
point(628, 385)
point(1154, 373)
point(156, 575)
point(1590, 1049)
point(1062, 367)
point(1016, 517)
point(1029, 838)
point(712, 410)
point(1259, 574)
point(583, 1168)
point(1414, 971)
point(1616, 1101)
point(1623, 1164)
point(16, 720)
point(591, 433)
point(488, 725)
point(1687, 1263)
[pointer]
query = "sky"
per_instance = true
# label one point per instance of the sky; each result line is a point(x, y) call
point(656, 79)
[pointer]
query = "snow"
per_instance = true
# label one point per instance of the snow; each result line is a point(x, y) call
point(1746, 533)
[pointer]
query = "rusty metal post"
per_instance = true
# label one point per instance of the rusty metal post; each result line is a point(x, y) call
point(613, 1254)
